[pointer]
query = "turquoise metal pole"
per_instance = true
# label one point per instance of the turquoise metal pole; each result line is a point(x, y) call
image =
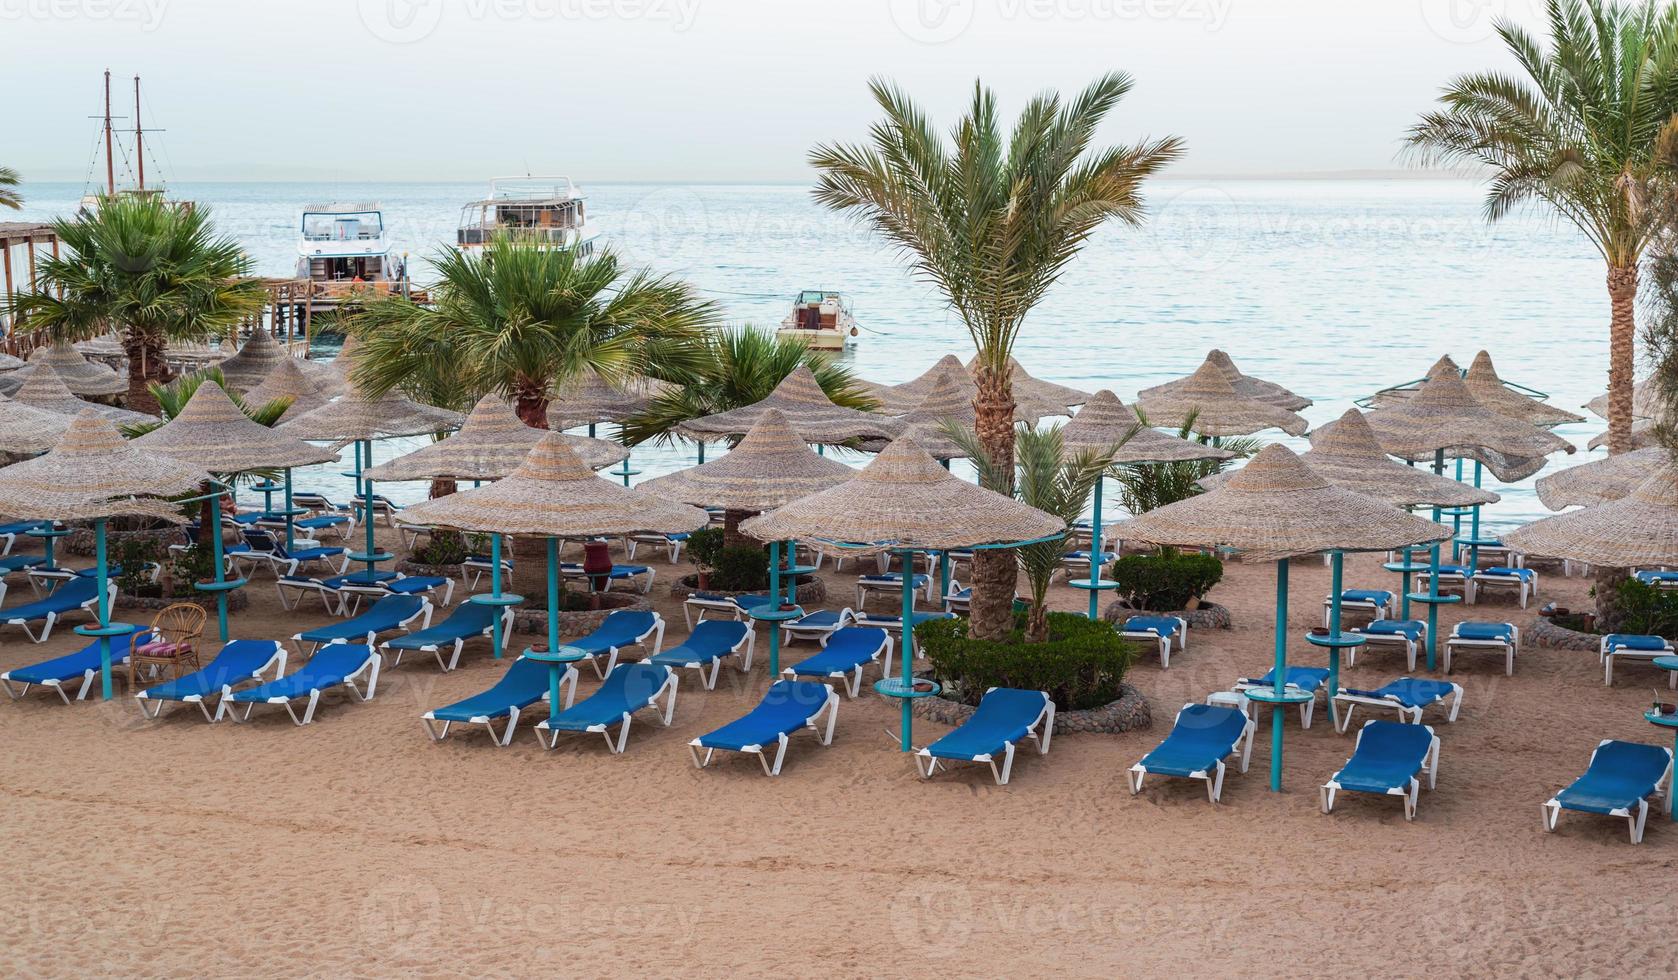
point(1281, 675)
point(792, 580)
point(357, 454)
point(907, 653)
point(495, 592)
point(104, 608)
point(290, 518)
point(1337, 566)
point(553, 626)
point(221, 570)
point(774, 607)
point(1474, 524)
point(1432, 606)
point(702, 451)
point(943, 573)
point(1095, 551)
point(1456, 522)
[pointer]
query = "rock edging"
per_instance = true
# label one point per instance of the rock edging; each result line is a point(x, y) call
point(1210, 615)
point(1546, 633)
point(1131, 712)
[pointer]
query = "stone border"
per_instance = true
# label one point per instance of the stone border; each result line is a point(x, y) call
point(1546, 633)
point(535, 621)
point(407, 567)
point(812, 592)
point(1210, 615)
point(1131, 712)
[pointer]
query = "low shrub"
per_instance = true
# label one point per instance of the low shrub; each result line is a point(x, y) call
point(448, 548)
point(740, 569)
point(703, 547)
point(1165, 582)
point(132, 555)
point(1647, 610)
point(1081, 666)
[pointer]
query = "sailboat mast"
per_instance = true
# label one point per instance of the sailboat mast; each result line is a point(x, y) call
point(110, 165)
point(139, 146)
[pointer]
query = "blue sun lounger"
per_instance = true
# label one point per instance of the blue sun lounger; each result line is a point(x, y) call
point(893, 623)
point(623, 628)
point(1411, 634)
point(816, 625)
point(1311, 680)
point(638, 576)
point(890, 583)
point(393, 612)
point(627, 689)
point(524, 683)
point(81, 592)
point(238, 662)
point(698, 604)
point(83, 665)
point(1523, 580)
point(707, 645)
point(1659, 578)
point(1164, 631)
point(844, 654)
point(1505, 638)
point(788, 707)
point(469, 620)
point(1409, 696)
point(336, 665)
point(1004, 716)
point(1623, 646)
point(1387, 759)
point(1377, 602)
point(1201, 738)
point(1619, 782)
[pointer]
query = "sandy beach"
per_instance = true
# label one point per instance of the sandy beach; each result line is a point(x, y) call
point(355, 845)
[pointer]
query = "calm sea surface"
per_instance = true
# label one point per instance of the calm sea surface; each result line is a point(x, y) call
point(1332, 288)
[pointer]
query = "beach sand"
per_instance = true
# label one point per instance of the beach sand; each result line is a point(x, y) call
point(357, 846)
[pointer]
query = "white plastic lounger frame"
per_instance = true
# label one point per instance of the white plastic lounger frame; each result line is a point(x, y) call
point(1635, 822)
point(156, 705)
point(852, 679)
point(1042, 731)
point(505, 738)
point(891, 583)
point(1307, 709)
point(1214, 779)
point(299, 586)
point(1409, 793)
point(52, 617)
point(1411, 647)
point(370, 640)
point(791, 630)
point(1377, 610)
point(1525, 583)
point(478, 568)
point(1411, 716)
point(369, 670)
point(699, 604)
point(744, 663)
point(453, 660)
point(1506, 647)
point(672, 546)
point(1625, 653)
point(551, 739)
point(1165, 643)
point(830, 707)
point(88, 676)
point(656, 632)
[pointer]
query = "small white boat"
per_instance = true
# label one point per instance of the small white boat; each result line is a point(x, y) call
point(544, 210)
point(821, 319)
point(344, 243)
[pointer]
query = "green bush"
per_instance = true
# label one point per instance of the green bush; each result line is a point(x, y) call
point(1165, 582)
point(132, 554)
point(445, 548)
point(704, 546)
point(195, 564)
point(1081, 666)
point(740, 569)
point(1647, 610)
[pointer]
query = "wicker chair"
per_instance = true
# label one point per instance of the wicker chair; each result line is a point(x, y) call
point(175, 631)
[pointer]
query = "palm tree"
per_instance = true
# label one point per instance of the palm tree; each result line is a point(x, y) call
point(10, 198)
point(991, 219)
point(153, 269)
point(520, 319)
point(1586, 128)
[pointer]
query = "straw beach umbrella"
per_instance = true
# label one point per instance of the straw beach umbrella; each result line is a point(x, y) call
point(1103, 423)
point(94, 474)
point(948, 383)
point(1273, 509)
point(1216, 407)
point(1639, 530)
point(43, 390)
point(1599, 482)
point(1443, 420)
point(552, 495)
point(359, 419)
point(490, 445)
point(1257, 389)
point(288, 380)
point(1062, 399)
point(899, 398)
point(903, 501)
point(1645, 402)
point(27, 430)
point(80, 375)
point(1489, 390)
point(808, 410)
point(1642, 436)
point(251, 364)
point(588, 399)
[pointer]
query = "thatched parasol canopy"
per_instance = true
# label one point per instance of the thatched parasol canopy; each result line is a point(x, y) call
point(1442, 415)
point(807, 409)
point(43, 390)
point(489, 446)
point(554, 494)
point(1645, 401)
point(771, 467)
point(356, 417)
point(911, 396)
point(1348, 456)
point(1597, 483)
point(1642, 436)
point(1257, 389)
point(28, 430)
point(8, 362)
point(588, 399)
point(904, 499)
point(948, 401)
point(1489, 390)
point(93, 472)
point(1041, 397)
point(288, 380)
point(252, 362)
point(1387, 397)
point(213, 432)
point(80, 375)
point(1217, 409)
point(1277, 507)
point(1636, 531)
point(1104, 422)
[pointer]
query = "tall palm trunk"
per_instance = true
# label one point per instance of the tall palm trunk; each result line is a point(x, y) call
point(144, 349)
point(732, 537)
point(530, 401)
point(1622, 334)
point(995, 572)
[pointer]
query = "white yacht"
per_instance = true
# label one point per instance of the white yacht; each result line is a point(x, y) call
point(545, 210)
point(821, 319)
point(345, 243)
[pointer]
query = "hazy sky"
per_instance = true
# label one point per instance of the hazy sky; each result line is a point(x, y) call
point(732, 90)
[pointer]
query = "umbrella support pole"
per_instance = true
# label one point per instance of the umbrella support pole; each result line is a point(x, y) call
point(100, 558)
point(1474, 524)
point(497, 600)
point(290, 518)
point(906, 655)
point(1337, 570)
point(943, 573)
point(1281, 678)
point(774, 607)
